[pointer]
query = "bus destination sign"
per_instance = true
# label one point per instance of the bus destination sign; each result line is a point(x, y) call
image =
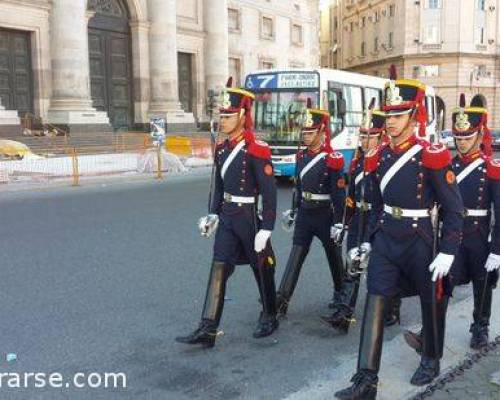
point(283, 80)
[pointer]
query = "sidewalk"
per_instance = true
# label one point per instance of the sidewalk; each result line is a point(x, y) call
point(399, 361)
point(477, 383)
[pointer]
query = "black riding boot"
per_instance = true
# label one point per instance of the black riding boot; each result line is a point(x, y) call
point(392, 315)
point(290, 277)
point(336, 265)
point(212, 310)
point(482, 312)
point(365, 380)
point(429, 367)
point(345, 305)
point(267, 323)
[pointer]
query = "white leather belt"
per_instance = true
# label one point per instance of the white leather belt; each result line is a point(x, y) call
point(475, 213)
point(308, 196)
point(364, 205)
point(229, 198)
point(398, 212)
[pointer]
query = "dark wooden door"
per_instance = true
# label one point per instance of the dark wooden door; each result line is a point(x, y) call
point(185, 81)
point(16, 78)
point(110, 63)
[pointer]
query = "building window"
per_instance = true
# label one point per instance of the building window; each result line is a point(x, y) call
point(415, 72)
point(335, 23)
point(479, 35)
point(363, 22)
point(376, 16)
point(375, 44)
point(425, 71)
point(429, 71)
point(390, 45)
point(297, 35)
point(267, 28)
point(267, 64)
point(433, 4)
point(392, 10)
point(235, 70)
point(352, 26)
point(363, 49)
point(431, 34)
point(234, 20)
point(480, 5)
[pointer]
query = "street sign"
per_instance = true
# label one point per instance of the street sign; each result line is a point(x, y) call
point(158, 130)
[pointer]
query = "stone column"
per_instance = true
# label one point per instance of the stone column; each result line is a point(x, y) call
point(141, 70)
point(71, 101)
point(216, 44)
point(163, 63)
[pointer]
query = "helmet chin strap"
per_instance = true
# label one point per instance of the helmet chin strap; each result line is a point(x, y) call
point(473, 145)
point(407, 124)
point(238, 125)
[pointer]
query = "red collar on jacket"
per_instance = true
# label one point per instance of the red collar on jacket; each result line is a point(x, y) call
point(403, 147)
point(468, 158)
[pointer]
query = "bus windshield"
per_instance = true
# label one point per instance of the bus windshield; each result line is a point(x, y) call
point(277, 113)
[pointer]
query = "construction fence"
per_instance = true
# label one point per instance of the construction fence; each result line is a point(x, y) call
point(35, 159)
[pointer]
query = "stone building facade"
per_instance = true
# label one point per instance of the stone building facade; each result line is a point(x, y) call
point(453, 45)
point(96, 64)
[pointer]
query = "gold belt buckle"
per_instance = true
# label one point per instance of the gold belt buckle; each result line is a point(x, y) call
point(364, 206)
point(308, 196)
point(465, 213)
point(228, 197)
point(397, 212)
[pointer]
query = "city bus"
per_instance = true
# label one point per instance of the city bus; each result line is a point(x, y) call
point(281, 96)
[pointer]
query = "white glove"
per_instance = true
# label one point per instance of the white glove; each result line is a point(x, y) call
point(441, 266)
point(336, 232)
point(366, 248)
point(288, 220)
point(361, 253)
point(492, 263)
point(261, 240)
point(208, 224)
point(353, 254)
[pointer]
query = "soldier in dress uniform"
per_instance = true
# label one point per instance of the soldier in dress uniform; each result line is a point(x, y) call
point(410, 178)
point(319, 197)
point(478, 177)
point(358, 210)
point(243, 171)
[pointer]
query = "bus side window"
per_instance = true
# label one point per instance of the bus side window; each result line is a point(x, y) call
point(334, 108)
point(372, 93)
point(354, 105)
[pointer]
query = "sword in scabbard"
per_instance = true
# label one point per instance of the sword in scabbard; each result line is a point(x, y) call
point(213, 144)
point(436, 286)
point(355, 267)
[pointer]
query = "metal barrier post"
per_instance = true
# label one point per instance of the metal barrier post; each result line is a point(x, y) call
point(160, 173)
point(76, 172)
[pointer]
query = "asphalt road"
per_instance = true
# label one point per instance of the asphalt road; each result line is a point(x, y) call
point(101, 279)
